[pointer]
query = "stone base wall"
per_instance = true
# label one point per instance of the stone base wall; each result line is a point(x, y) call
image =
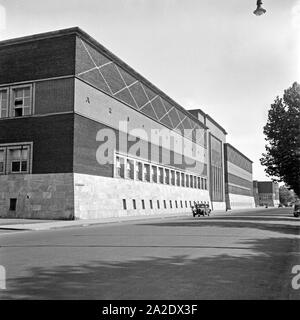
point(99, 197)
point(218, 205)
point(239, 201)
point(39, 196)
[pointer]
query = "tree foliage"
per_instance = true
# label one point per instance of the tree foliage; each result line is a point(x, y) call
point(286, 196)
point(282, 131)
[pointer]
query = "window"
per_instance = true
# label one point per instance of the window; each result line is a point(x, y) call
point(182, 179)
point(199, 183)
point(167, 176)
point(158, 206)
point(119, 167)
point(154, 173)
point(165, 204)
point(147, 172)
point(191, 181)
point(202, 183)
point(13, 204)
point(134, 204)
point(21, 101)
point(129, 169)
point(172, 177)
point(170, 204)
point(205, 184)
point(15, 159)
point(3, 103)
point(18, 159)
point(186, 204)
point(187, 181)
point(181, 204)
point(160, 175)
point(143, 204)
point(176, 204)
point(124, 204)
point(195, 182)
point(2, 161)
point(151, 204)
point(177, 178)
point(139, 171)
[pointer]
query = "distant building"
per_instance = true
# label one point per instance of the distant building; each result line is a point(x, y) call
point(238, 179)
point(266, 193)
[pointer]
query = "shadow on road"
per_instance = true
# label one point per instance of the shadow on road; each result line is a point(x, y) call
point(223, 276)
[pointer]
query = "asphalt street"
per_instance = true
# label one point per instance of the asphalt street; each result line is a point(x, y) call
point(237, 255)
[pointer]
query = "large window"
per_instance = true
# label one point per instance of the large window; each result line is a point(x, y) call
point(139, 171)
point(15, 158)
point(125, 167)
point(2, 161)
point(120, 167)
point(21, 101)
point(3, 103)
point(147, 172)
point(129, 169)
point(154, 173)
point(161, 175)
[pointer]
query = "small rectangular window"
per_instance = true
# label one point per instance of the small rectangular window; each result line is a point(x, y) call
point(134, 204)
point(170, 204)
point(143, 204)
point(191, 181)
point(176, 204)
point(151, 204)
point(124, 204)
point(158, 205)
point(165, 204)
point(181, 204)
point(186, 204)
point(13, 204)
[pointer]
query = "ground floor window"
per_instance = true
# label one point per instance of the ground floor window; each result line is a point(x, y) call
point(15, 158)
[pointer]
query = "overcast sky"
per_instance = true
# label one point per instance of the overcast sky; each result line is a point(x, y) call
point(215, 55)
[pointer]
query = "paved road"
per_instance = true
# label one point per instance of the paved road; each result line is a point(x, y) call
point(242, 255)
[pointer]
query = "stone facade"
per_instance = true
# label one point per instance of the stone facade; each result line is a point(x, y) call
point(38, 196)
point(102, 197)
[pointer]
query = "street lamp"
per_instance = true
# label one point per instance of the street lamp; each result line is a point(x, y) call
point(259, 10)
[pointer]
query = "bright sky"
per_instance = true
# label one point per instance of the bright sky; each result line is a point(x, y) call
point(216, 54)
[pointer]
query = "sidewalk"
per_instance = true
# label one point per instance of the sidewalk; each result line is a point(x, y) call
point(38, 225)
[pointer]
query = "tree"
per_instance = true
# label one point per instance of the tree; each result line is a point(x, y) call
point(282, 131)
point(286, 196)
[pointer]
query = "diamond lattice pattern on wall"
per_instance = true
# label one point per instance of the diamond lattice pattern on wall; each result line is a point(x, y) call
point(96, 69)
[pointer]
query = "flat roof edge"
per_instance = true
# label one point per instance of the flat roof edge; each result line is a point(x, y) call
point(238, 151)
point(79, 32)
